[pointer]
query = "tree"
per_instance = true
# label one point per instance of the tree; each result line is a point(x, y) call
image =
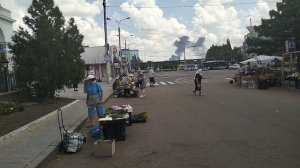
point(223, 52)
point(73, 48)
point(284, 24)
point(237, 55)
point(47, 57)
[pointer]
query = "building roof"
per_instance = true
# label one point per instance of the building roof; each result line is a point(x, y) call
point(93, 55)
point(5, 15)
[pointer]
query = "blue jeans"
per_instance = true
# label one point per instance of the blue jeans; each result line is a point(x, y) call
point(99, 110)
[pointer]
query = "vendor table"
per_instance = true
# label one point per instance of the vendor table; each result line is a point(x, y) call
point(114, 129)
point(114, 125)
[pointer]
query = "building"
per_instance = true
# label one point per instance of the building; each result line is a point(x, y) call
point(130, 59)
point(100, 65)
point(7, 79)
point(252, 34)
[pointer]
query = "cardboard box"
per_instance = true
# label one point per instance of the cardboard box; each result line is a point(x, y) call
point(104, 148)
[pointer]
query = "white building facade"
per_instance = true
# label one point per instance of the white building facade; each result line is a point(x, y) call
point(7, 78)
point(6, 32)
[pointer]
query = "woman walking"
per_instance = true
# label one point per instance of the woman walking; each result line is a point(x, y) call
point(197, 81)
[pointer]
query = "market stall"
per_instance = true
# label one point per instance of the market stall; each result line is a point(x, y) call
point(115, 122)
point(259, 72)
point(125, 86)
point(290, 70)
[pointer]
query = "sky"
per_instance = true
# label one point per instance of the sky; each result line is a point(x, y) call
point(159, 29)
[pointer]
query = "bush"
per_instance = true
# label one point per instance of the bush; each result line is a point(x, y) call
point(8, 108)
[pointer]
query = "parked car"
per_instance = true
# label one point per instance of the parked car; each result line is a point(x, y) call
point(234, 67)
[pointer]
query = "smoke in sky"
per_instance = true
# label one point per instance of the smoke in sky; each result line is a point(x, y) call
point(183, 43)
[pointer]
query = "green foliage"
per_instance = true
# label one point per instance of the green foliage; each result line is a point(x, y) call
point(8, 108)
point(2, 57)
point(223, 52)
point(284, 24)
point(48, 58)
point(237, 55)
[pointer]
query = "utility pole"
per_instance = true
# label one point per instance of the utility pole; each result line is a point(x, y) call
point(119, 32)
point(105, 37)
point(184, 56)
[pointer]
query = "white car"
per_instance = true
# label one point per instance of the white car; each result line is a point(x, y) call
point(234, 67)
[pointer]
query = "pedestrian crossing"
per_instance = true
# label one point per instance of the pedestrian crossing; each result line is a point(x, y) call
point(176, 82)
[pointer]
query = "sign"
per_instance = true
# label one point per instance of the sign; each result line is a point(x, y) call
point(290, 46)
point(107, 58)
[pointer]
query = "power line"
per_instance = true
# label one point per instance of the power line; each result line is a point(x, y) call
point(194, 6)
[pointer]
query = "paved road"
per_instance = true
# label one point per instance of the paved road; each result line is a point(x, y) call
point(228, 127)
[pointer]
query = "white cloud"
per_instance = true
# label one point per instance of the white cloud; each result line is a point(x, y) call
point(260, 11)
point(79, 8)
point(93, 33)
point(156, 32)
point(83, 11)
point(217, 23)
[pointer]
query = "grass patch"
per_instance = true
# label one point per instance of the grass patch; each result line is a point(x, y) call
point(8, 108)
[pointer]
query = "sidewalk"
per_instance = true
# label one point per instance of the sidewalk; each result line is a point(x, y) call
point(28, 146)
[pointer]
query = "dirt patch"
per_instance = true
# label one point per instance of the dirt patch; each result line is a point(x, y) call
point(32, 111)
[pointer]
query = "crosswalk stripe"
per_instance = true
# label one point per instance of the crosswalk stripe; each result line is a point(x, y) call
point(172, 83)
point(163, 83)
point(187, 81)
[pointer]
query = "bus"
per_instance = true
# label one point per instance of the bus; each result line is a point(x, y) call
point(187, 67)
point(214, 65)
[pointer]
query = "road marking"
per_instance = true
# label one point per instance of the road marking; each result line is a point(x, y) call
point(172, 83)
point(187, 81)
point(163, 83)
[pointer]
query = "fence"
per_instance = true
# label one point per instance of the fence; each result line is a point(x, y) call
point(11, 82)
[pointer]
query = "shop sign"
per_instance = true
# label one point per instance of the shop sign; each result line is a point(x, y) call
point(290, 46)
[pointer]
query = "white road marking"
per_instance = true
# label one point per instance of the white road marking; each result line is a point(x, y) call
point(163, 83)
point(178, 82)
point(172, 83)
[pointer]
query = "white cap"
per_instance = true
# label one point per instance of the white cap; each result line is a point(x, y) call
point(90, 77)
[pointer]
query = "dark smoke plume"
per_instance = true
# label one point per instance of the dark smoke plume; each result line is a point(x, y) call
point(184, 42)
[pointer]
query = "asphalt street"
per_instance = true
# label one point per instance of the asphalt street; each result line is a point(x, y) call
point(228, 127)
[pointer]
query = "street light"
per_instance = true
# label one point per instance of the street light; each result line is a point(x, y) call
point(119, 31)
point(126, 38)
point(184, 53)
point(4, 64)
